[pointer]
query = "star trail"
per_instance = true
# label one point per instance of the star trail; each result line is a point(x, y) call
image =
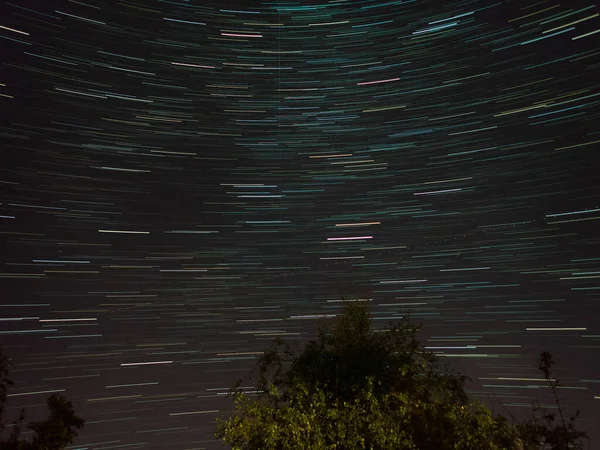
point(183, 181)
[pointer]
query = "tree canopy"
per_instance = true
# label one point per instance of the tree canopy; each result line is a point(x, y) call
point(357, 388)
point(55, 433)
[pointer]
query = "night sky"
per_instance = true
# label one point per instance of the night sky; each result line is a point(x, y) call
point(182, 181)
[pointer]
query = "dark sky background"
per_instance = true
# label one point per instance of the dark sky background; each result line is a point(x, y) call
point(182, 181)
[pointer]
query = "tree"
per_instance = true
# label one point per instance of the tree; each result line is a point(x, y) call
point(55, 433)
point(357, 388)
point(548, 430)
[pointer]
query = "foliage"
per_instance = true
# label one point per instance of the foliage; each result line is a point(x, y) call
point(55, 433)
point(549, 430)
point(356, 388)
point(348, 352)
point(5, 382)
point(318, 420)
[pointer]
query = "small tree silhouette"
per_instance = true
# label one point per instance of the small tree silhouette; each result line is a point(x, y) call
point(550, 430)
point(55, 433)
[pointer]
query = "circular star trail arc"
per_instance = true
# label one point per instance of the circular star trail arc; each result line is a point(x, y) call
point(183, 181)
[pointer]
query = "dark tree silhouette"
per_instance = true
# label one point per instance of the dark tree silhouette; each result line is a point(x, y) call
point(549, 430)
point(55, 433)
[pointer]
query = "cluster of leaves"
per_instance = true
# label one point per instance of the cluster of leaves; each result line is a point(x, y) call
point(370, 420)
point(347, 353)
point(355, 388)
point(55, 433)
